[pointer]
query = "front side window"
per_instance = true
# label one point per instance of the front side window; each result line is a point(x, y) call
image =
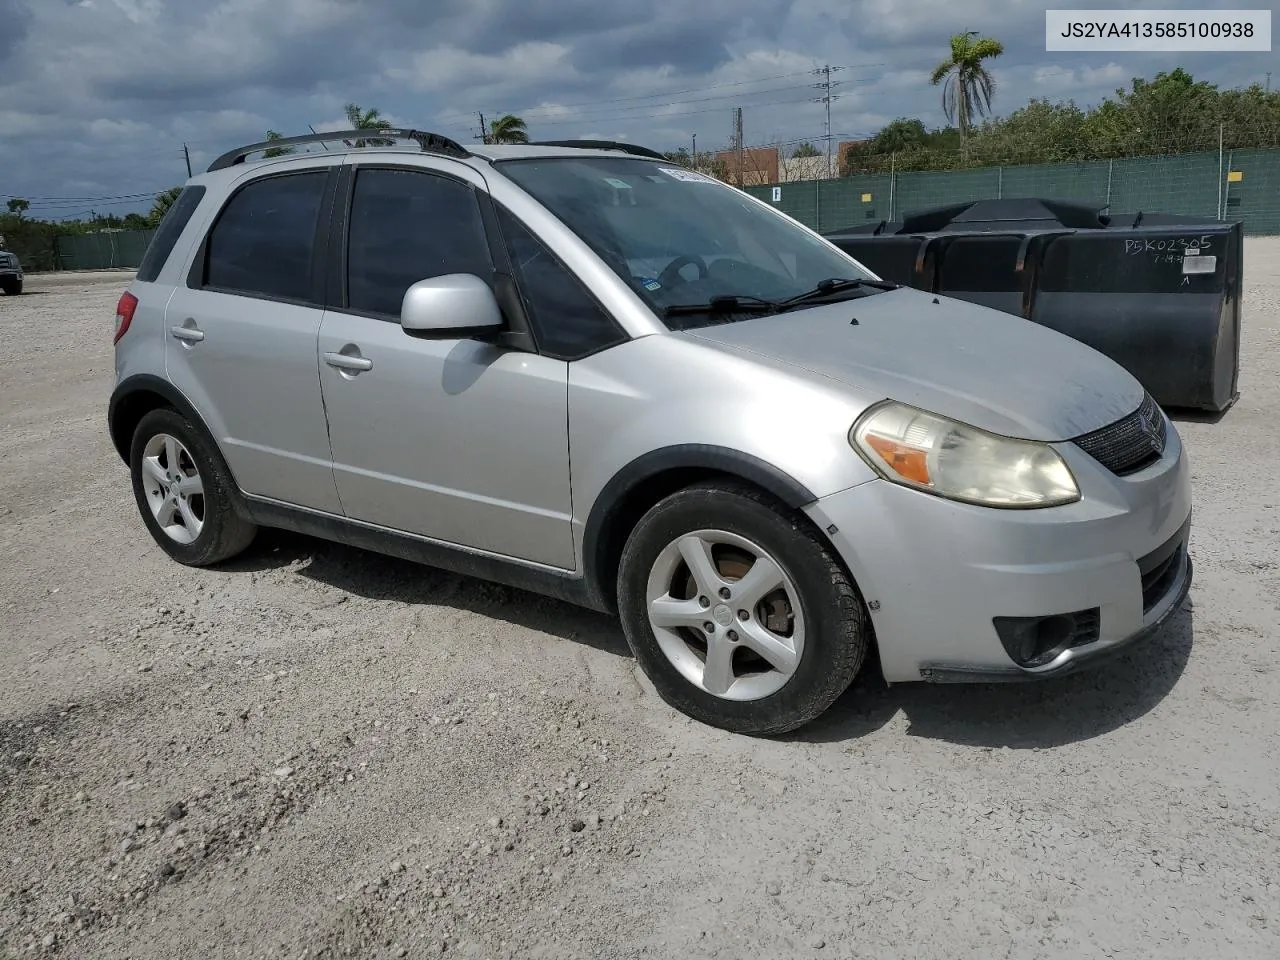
point(678, 237)
point(264, 239)
point(567, 322)
point(408, 226)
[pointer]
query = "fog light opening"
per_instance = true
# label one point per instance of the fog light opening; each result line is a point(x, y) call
point(1035, 641)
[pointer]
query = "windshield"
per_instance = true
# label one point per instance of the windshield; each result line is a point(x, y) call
point(679, 237)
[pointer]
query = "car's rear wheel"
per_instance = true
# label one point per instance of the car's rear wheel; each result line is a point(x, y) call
point(738, 612)
point(183, 490)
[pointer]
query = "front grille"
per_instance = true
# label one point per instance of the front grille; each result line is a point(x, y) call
point(1131, 443)
point(1159, 568)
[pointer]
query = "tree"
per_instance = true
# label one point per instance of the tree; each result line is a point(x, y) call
point(679, 157)
point(275, 151)
point(371, 119)
point(162, 204)
point(507, 129)
point(805, 149)
point(18, 206)
point(968, 87)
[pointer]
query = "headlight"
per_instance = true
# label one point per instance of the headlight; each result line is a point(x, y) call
point(960, 462)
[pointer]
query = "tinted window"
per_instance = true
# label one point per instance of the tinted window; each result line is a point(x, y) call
point(567, 322)
point(167, 234)
point(408, 226)
point(265, 237)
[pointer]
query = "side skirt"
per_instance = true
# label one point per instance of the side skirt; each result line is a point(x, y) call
point(545, 581)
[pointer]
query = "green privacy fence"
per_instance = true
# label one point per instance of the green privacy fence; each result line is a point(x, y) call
point(102, 250)
point(1241, 185)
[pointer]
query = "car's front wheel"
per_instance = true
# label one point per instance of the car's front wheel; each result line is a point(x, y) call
point(183, 490)
point(12, 287)
point(738, 612)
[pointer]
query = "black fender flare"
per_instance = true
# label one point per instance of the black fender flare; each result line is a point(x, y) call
point(146, 383)
point(597, 536)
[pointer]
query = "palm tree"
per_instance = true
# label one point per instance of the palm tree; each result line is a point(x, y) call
point(371, 119)
point(508, 129)
point(275, 151)
point(162, 204)
point(969, 87)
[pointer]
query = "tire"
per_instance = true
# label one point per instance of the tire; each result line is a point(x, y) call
point(828, 641)
point(11, 287)
point(194, 523)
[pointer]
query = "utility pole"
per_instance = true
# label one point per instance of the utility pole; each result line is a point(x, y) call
point(693, 157)
point(738, 145)
point(484, 131)
point(825, 86)
point(187, 153)
point(1268, 81)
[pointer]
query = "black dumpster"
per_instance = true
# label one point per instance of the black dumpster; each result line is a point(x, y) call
point(1158, 294)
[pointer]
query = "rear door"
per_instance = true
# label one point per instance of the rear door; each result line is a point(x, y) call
point(241, 334)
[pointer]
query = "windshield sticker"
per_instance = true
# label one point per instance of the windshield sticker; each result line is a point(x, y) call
point(620, 184)
point(691, 176)
point(650, 284)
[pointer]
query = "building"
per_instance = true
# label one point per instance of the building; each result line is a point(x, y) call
point(755, 166)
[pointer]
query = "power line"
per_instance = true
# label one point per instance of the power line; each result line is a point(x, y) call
point(130, 196)
point(607, 119)
point(535, 108)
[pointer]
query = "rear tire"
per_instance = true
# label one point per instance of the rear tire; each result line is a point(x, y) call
point(184, 491)
point(788, 627)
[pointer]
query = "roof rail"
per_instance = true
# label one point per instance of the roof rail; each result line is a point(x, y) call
point(602, 145)
point(429, 142)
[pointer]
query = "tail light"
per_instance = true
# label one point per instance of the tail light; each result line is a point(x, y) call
point(124, 314)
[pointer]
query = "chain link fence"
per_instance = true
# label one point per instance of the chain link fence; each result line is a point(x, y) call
point(1236, 185)
point(104, 250)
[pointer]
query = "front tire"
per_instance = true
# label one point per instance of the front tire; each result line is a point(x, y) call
point(11, 287)
point(183, 490)
point(738, 612)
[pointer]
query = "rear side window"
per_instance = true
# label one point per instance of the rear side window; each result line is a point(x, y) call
point(265, 237)
point(567, 322)
point(408, 226)
point(167, 234)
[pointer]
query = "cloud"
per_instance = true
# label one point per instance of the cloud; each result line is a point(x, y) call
point(116, 88)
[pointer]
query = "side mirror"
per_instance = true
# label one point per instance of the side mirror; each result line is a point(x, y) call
point(456, 305)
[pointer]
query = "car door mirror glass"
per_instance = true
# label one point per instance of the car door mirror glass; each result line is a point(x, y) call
point(454, 305)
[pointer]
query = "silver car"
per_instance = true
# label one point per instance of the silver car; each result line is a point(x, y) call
point(584, 371)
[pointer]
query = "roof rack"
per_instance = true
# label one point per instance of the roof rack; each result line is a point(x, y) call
point(630, 148)
point(429, 142)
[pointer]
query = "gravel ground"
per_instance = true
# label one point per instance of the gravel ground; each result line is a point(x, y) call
point(318, 752)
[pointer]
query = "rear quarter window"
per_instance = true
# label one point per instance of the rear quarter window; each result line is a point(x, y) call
point(170, 229)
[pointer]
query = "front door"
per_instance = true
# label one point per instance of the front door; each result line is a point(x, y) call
point(456, 440)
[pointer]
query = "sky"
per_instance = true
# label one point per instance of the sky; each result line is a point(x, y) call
point(98, 97)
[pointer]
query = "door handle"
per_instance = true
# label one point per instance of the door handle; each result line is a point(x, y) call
point(346, 362)
point(187, 333)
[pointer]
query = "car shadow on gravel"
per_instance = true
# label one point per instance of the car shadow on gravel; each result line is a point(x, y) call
point(1033, 715)
point(379, 577)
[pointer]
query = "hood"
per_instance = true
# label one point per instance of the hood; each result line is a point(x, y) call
point(989, 369)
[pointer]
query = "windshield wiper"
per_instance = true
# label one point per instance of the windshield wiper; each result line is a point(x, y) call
point(836, 285)
point(725, 304)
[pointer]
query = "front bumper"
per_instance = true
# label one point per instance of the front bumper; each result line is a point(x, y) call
point(938, 575)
